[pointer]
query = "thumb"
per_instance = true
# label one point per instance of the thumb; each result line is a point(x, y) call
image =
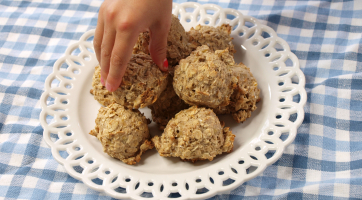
point(158, 46)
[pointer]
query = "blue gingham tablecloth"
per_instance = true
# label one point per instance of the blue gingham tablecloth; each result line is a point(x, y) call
point(324, 161)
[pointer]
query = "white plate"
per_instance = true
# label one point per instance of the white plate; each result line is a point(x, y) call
point(272, 126)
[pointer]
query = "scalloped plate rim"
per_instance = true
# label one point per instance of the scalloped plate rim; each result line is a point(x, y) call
point(211, 192)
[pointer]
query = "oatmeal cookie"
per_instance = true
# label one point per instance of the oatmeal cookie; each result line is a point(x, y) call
point(166, 106)
point(194, 134)
point(217, 38)
point(142, 43)
point(245, 96)
point(123, 133)
point(101, 94)
point(142, 83)
point(177, 43)
point(205, 78)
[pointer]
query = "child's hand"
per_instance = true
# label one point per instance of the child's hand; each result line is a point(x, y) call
point(118, 27)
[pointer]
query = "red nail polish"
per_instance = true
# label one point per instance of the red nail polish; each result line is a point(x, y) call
point(165, 64)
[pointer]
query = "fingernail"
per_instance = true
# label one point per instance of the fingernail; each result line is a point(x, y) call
point(109, 87)
point(102, 81)
point(165, 64)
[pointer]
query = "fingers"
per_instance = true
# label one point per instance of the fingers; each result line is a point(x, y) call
point(158, 45)
point(104, 38)
point(98, 36)
point(109, 36)
point(121, 54)
point(117, 32)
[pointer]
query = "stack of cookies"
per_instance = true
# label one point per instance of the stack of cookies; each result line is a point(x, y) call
point(203, 80)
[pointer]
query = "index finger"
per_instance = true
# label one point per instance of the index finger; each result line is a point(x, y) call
point(98, 35)
point(121, 54)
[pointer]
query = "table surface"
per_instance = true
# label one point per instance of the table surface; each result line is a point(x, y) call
point(324, 161)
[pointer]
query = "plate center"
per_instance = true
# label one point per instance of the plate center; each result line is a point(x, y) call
point(151, 162)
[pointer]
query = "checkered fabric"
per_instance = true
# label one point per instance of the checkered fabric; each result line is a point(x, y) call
point(324, 161)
